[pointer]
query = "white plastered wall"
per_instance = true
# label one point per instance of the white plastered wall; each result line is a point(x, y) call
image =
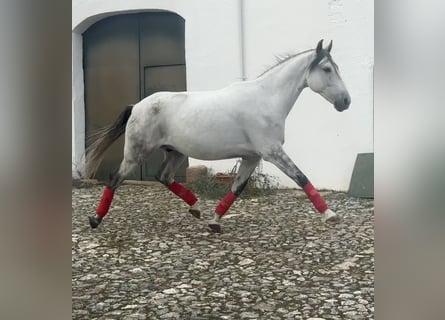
point(323, 142)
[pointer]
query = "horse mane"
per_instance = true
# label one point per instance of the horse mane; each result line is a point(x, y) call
point(282, 58)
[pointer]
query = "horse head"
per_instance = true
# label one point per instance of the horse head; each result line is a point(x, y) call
point(323, 77)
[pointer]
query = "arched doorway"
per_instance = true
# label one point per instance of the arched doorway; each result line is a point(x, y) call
point(126, 58)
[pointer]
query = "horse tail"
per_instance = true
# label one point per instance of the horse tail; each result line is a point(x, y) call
point(102, 139)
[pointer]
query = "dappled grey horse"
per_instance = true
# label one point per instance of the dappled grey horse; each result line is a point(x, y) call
point(244, 120)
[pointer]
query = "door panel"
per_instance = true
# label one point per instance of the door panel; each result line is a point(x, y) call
point(111, 75)
point(126, 58)
point(162, 39)
point(164, 78)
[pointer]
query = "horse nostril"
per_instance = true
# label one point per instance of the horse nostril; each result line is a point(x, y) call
point(346, 101)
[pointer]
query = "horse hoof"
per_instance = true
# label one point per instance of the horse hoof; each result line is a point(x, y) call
point(330, 217)
point(195, 213)
point(215, 227)
point(333, 220)
point(94, 221)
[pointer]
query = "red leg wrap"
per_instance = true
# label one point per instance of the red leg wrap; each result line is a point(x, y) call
point(225, 203)
point(183, 193)
point(315, 198)
point(105, 202)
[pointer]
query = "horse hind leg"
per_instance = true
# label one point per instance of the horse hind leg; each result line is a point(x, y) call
point(126, 167)
point(166, 174)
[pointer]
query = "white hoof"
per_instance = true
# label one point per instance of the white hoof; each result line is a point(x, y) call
point(330, 216)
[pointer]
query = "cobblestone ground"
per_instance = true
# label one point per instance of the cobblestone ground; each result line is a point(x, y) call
point(150, 259)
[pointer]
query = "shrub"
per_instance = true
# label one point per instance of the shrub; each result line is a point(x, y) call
point(209, 185)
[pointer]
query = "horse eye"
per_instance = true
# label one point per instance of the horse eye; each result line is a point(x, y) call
point(327, 69)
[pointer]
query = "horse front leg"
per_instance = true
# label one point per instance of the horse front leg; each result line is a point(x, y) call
point(281, 160)
point(245, 170)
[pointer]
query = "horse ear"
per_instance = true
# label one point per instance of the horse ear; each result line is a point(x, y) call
point(329, 46)
point(319, 46)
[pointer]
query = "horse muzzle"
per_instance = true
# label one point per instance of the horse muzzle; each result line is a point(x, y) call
point(342, 103)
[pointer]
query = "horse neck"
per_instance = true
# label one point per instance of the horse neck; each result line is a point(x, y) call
point(284, 83)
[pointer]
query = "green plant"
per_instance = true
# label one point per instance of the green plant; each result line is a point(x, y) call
point(206, 186)
point(259, 184)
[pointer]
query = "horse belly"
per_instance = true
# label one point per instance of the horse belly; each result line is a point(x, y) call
point(211, 153)
point(212, 144)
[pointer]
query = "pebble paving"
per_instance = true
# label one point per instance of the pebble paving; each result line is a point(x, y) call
point(150, 259)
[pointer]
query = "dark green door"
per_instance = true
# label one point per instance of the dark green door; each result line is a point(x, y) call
point(126, 58)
